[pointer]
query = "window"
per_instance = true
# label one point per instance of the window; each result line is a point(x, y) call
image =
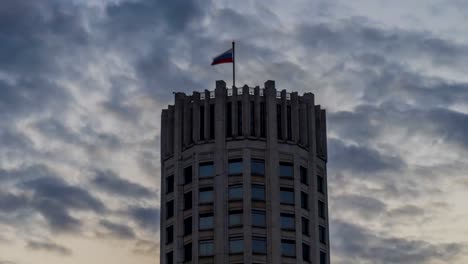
point(188, 252)
point(320, 184)
point(206, 221)
point(287, 195)
point(188, 226)
point(257, 167)
point(235, 167)
point(229, 119)
point(288, 248)
point(212, 121)
point(236, 245)
point(239, 118)
point(278, 122)
point(202, 122)
point(206, 169)
point(259, 245)
point(321, 209)
point(323, 257)
point(262, 120)
point(304, 201)
point(305, 252)
point(258, 192)
point(305, 226)
point(287, 221)
point(170, 184)
point(190, 128)
point(188, 200)
point(289, 120)
point(258, 218)
point(286, 170)
point(205, 195)
point(169, 209)
point(188, 175)
point(170, 257)
point(235, 218)
point(322, 235)
point(205, 248)
point(252, 118)
point(235, 192)
point(304, 178)
point(169, 234)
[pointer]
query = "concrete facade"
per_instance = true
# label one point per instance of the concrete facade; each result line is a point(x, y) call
point(220, 151)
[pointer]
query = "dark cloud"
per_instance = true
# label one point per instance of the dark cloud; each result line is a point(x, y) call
point(364, 206)
point(357, 244)
point(118, 230)
point(48, 195)
point(407, 211)
point(49, 247)
point(360, 159)
point(145, 217)
point(110, 182)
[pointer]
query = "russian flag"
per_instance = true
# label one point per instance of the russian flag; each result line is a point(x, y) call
point(225, 57)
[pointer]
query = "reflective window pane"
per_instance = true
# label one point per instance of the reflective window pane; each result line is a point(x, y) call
point(288, 247)
point(206, 221)
point(257, 167)
point(169, 209)
point(287, 221)
point(258, 218)
point(188, 252)
point(206, 169)
point(235, 167)
point(259, 245)
point(258, 192)
point(206, 248)
point(188, 175)
point(287, 196)
point(235, 192)
point(236, 245)
point(187, 226)
point(286, 170)
point(235, 218)
point(205, 195)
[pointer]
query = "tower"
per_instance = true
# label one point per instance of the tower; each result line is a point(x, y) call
point(243, 178)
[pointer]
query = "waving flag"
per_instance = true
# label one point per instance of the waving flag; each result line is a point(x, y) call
point(225, 57)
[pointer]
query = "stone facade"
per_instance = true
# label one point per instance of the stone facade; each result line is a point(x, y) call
point(243, 178)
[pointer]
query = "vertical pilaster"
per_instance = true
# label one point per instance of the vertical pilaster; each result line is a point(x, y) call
point(196, 117)
point(295, 117)
point(220, 180)
point(272, 180)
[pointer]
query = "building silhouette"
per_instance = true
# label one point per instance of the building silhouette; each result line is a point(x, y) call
point(244, 178)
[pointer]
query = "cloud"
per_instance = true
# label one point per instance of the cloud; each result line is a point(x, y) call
point(110, 182)
point(118, 230)
point(364, 206)
point(145, 217)
point(49, 247)
point(357, 244)
point(361, 159)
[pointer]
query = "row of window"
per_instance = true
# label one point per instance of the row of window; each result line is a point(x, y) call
point(206, 222)
point(257, 166)
point(235, 192)
point(236, 246)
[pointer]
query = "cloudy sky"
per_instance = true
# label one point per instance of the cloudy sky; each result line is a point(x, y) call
point(83, 82)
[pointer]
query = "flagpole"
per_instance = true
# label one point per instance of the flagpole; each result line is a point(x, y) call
point(233, 66)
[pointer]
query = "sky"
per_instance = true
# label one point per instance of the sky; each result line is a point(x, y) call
point(83, 83)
